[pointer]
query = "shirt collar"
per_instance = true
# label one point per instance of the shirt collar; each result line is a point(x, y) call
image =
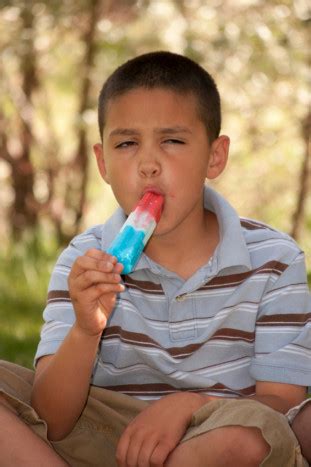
point(232, 250)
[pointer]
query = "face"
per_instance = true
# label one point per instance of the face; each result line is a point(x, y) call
point(155, 140)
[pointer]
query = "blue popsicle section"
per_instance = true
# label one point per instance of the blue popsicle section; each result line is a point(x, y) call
point(127, 247)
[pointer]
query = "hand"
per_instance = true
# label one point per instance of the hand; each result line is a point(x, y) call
point(155, 432)
point(94, 282)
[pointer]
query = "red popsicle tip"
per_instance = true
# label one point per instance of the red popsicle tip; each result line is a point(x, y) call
point(153, 203)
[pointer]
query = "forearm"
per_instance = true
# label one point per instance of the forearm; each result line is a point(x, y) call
point(277, 403)
point(61, 388)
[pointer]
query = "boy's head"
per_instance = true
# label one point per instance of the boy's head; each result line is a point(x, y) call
point(169, 71)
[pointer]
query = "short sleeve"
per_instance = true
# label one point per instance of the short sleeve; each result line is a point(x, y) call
point(283, 329)
point(59, 314)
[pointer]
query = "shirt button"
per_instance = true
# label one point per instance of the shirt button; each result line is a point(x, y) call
point(181, 298)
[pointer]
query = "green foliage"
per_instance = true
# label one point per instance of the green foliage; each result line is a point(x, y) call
point(24, 275)
point(256, 50)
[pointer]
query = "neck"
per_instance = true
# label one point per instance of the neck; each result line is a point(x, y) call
point(187, 249)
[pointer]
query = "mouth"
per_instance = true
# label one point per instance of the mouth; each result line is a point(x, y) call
point(153, 189)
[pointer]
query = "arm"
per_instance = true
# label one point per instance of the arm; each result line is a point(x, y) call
point(280, 397)
point(65, 376)
point(144, 443)
point(156, 431)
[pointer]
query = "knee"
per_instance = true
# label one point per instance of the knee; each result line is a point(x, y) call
point(301, 426)
point(234, 445)
point(5, 403)
point(245, 446)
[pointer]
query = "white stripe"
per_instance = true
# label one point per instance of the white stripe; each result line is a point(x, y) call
point(85, 238)
point(277, 329)
point(286, 290)
point(152, 297)
point(272, 243)
point(198, 322)
point(63, 270)
point(297, 351)
point(51, 328)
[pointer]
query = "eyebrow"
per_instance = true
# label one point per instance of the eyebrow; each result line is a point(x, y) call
point(164, 131)
point(124, 131)
point(174, 130)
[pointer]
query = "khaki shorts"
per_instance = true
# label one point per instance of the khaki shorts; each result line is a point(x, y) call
point(94, 438)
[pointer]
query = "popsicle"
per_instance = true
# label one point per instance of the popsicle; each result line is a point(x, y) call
point(136, 231)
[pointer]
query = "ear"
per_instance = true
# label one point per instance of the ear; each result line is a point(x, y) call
point(99, 154)
point(218, 156)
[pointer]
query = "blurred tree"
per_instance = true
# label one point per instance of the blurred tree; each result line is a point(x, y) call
point(65, 181)
point(77, 170)
point(256, 50)
point(24, 209)
point(304, 180)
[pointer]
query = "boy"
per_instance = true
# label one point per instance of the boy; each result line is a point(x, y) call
point(194, 357)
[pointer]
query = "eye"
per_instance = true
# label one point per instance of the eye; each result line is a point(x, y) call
point(125, 144)
point(174, 141)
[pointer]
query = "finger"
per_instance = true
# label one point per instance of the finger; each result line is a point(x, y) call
point(107, 303)
point(100, 256)
point(134, 447)
point(122, 448)
point(84, 262)
point(160, 454)
point(97, 254)
point(90, 277)
point(109, 288)
point(147, 448)
point(118, 268)
point(99, 293)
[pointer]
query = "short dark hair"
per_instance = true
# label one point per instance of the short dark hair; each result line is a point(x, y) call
point(165, 70)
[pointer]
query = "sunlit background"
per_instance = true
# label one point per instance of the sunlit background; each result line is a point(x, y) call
point(55, 56)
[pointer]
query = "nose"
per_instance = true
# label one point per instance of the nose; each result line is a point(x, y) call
point(149, 167)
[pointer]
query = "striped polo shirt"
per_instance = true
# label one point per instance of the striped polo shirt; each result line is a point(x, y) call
point(242, 317)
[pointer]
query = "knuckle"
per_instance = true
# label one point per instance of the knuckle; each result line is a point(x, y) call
point(88, 275)
point(119, 457)
point(160, 454)
point(91, 251)
point(79, 261)
point(157, 460)
point(144, 458)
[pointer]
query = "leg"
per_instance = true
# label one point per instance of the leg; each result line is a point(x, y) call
point(19, 446)
point(222, 447)
point(301, 426)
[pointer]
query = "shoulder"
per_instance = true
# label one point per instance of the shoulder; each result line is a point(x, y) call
point(80, 244)
point(83, 242)
point(268, 244)
point(90, 238)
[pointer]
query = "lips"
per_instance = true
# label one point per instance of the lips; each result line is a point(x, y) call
point(153, 189)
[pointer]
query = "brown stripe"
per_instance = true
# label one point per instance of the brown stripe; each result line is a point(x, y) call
point(285, 319)
point(143, 340)
point(58, 296)
point(144, 286)
point(127, 336)
point(253, 225)
point(234, 334)
point(160, 389)
point(235, 279)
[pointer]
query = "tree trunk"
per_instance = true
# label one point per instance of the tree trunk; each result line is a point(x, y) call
point(24, 211)
point(304, 180)
point(78, 186)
